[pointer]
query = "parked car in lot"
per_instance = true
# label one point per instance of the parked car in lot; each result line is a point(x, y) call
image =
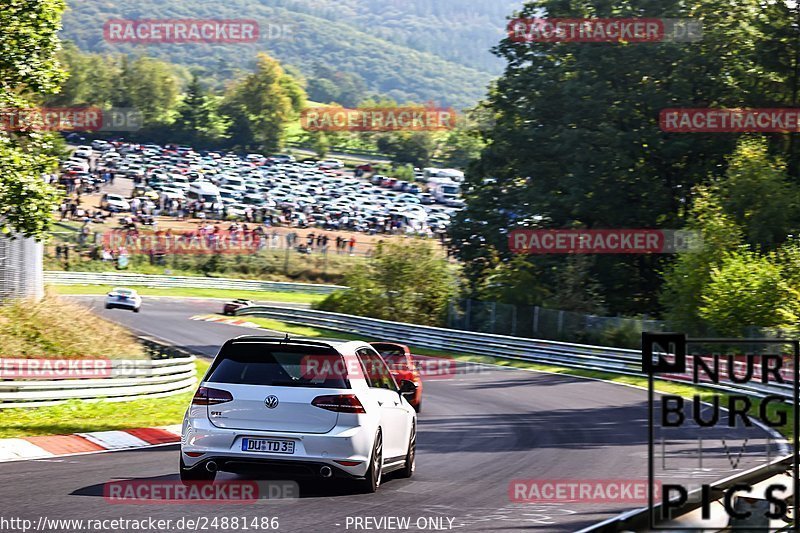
point(205, 192)
point(231, 307)
point(281, 158)
point(83, 152)
point(328, 410)
point(114, 203)
point(402, 366)
point(330, 163)
point(121, 298)
point(102, 145)
point(236, 186)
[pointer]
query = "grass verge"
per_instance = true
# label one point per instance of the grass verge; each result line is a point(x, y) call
point(55, 328)
point(301, 331)
point(271, 296)
point(77, 416)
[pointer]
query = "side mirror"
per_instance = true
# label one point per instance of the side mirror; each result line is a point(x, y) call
point(407, 389)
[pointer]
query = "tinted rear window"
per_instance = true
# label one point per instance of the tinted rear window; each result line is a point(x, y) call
point(280, 366)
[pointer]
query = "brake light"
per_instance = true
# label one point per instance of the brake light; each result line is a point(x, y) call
point(340, 403)
point(209, 396)
point(348, 463)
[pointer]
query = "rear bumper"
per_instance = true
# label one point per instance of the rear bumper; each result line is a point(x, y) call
point(122, 305)
point(312, 450)
point(292, 468)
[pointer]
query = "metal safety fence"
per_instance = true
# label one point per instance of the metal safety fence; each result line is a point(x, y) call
point(582, 356)
point(147, 280)
point(542, 323)
point(21, 273)
point(167, 371)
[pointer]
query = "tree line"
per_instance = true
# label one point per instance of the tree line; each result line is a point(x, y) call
point(250, 113)
point(576, 143)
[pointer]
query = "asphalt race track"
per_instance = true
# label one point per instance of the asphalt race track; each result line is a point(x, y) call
point(479, 430)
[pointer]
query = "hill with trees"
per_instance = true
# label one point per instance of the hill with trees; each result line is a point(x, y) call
point(415, 50)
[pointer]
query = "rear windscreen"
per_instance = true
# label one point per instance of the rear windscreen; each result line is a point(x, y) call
point(280, 366)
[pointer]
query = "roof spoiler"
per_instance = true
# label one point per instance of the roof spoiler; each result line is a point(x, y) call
point(277, 340)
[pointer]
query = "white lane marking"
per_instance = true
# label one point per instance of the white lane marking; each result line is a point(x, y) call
point(175, 429)
point(15, 449)
point(115, 439)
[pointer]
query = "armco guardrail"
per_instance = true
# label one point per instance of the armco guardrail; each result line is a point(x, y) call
point(598, 358)
point(147, 280)
point(169, 370)
point(128, 380)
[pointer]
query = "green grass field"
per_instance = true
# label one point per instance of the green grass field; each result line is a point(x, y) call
point(268, 296)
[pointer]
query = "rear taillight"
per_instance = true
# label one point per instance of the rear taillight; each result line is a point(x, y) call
point(348, 463)
point(340, 403)
point(209, 396)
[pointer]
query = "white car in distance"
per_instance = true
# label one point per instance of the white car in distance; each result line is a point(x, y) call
point(121, 298)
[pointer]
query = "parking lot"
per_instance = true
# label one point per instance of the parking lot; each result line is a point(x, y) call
point(171, 186)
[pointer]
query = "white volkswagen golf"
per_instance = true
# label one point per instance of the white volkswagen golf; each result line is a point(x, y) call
point(299, 408)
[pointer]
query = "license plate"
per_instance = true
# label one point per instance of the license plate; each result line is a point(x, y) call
point(269, 446)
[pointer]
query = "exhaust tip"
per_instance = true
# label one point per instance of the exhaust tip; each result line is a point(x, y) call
point(211, 466)
point(325, 471)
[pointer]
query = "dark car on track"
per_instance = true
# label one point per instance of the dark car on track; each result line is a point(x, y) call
point(231, 307)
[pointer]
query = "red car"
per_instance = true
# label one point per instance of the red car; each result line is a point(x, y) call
point(230, 307)
point(401, 365)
